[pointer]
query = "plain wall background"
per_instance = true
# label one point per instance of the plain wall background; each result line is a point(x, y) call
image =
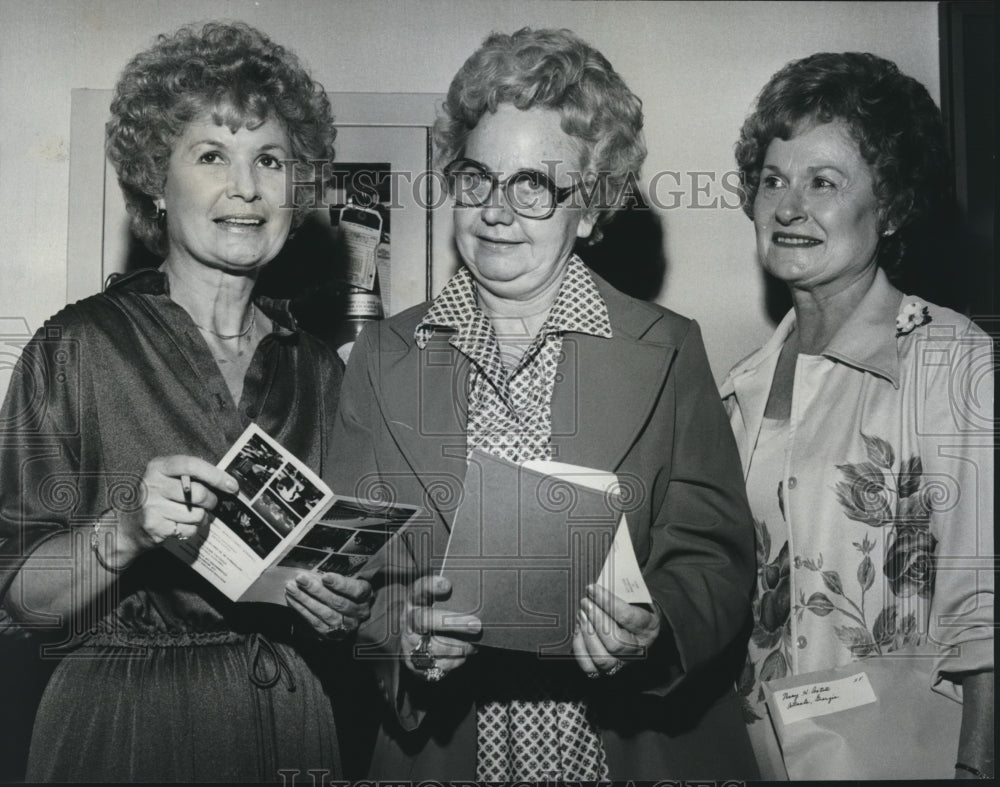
point(696, 65)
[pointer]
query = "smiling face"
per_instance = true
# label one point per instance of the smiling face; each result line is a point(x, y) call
point(513, 257)
point(816, 214)
point(223, 195)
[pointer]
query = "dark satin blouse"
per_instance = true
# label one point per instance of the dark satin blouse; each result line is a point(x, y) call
point(117, 379)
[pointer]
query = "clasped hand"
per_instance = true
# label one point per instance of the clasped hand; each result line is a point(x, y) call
point(608, 632)
point(435, 642)
point(332, 604)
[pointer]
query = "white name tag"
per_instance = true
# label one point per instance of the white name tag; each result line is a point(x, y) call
point(819, 699)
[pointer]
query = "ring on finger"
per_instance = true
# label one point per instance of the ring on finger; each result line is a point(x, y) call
point(615, 669)
point(422, 659)
point(434, 674)
point(337, 632)
point(177, 533)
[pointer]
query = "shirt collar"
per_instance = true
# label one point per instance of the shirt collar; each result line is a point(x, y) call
point(866, 341)
point(454, 309)
point(152, 281)
point(578, 307)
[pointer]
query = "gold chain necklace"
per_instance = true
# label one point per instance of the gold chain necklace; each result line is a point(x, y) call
point(226, 336)
point(240, 352)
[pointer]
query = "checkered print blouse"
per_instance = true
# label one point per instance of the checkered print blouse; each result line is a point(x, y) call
point(510, 409)
point(534, 733)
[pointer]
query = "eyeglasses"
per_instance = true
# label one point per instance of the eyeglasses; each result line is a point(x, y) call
point(529, 192)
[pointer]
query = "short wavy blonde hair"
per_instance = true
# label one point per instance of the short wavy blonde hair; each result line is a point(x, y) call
point(553, 69)
point(231, 70)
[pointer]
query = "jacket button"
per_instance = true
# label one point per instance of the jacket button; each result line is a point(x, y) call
point(252, 413)
point(801, 642)
point(792, 482)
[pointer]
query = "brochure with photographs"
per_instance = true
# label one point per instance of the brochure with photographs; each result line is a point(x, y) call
point(283, 521)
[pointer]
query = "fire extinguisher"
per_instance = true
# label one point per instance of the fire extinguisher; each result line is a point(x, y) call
point(361, 230)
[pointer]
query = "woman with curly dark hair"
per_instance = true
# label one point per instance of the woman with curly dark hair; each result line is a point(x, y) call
point(122, 404)
point(864, 424)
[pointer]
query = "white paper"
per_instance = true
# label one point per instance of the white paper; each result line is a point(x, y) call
point(820, 699)
point(887, 722)
point(285, 521)
point(620, 573)
point(226, 559)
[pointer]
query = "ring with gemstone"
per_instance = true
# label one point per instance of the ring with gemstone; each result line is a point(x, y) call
point(336, 632)
point(615, 669)
point(434, 674)
point(177, 533)
point(421, 658)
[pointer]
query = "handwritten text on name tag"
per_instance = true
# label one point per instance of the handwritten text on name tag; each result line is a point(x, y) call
point(819, 699)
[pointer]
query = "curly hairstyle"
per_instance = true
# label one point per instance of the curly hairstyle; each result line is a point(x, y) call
point(892, 118)
point(553, 69)
point(228, 69)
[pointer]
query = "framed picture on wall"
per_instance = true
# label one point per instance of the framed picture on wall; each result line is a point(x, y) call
point(383, 159)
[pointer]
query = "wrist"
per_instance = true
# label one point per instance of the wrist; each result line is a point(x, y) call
point(111, 546)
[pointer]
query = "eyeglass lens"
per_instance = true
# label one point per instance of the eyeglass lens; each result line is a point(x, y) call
point(529, 193)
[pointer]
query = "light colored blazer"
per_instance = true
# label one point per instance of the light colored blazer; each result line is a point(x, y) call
point(642, 404)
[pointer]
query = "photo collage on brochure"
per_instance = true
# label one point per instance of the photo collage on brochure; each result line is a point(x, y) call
point(275, 497)
point(346, 536)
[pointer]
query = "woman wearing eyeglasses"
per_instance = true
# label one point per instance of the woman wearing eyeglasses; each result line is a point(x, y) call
point(526, 354)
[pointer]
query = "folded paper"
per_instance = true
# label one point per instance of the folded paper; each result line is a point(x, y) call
point(525, 542)
point(284, 521)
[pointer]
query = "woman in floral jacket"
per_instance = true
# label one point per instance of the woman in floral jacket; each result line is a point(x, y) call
point(865, 423)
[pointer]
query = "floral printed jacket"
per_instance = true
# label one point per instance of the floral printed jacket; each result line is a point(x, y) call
point(887, 491)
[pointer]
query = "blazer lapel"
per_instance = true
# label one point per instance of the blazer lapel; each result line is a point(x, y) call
point(423, 398)
point(606, 392)
point(603, 396)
